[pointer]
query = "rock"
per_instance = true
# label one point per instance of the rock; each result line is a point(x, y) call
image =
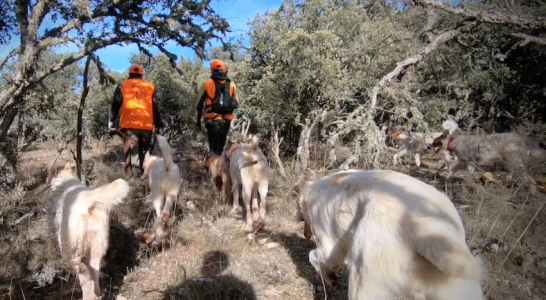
point(272, 245)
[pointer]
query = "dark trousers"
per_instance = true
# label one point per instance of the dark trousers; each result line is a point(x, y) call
point(217, 132)
point(135, 137)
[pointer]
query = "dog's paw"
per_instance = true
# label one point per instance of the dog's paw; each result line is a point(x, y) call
point(233, 211)
point(331, 279)
point(248, 228)
point(165, 217)
point(156, 242)
point(148, 238)
point(259, 225)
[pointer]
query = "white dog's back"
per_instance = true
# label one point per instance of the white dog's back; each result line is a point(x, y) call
point(249, 171)
point(78, 211)
point(79, 220)
point(163, 172)
point(401, 236)
point(164, 180)
point(249, 164)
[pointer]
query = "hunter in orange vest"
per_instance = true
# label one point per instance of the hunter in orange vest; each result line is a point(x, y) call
point(139, 116)
point(216, 103)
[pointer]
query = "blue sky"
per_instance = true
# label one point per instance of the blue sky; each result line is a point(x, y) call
point(236, 12)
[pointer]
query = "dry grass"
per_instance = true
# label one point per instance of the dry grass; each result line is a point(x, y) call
point(207, 256)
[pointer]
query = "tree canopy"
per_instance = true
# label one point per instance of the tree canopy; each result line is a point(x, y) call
point(335, 72)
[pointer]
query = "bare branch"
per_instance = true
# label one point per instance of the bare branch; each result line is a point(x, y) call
point(10, 55)
point(497, 17)
point(275, 147)
point(79, 141)
point(529, 39)
point(104, 78)
point(36, 17)
point(21, 10)
point(88, 49)
point(403, 65)
point(50, 42)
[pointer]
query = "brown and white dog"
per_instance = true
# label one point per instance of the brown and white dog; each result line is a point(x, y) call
point(397, 235)
point(517, 152)
point(417, 143)
point(218, 167)
point(79, 221)
point(249, 170)
point(164, 180)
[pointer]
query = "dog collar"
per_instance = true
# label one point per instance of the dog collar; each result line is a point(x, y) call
point(450, 144)
point(233, 150)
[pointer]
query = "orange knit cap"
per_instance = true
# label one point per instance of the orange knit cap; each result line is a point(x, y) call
point(136, 69)
point(217, 65)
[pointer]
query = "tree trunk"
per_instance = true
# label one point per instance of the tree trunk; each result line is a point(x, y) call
point(489, 16)
point(85, 91)
point(8, 150)
point(275, 147)
point(303, 144)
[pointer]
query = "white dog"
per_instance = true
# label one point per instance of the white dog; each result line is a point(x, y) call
point(417, 143)
point(397, 235)
point(164, 179)
point(248, 169)
point(79, 220)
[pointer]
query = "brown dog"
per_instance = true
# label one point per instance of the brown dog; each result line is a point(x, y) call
point(218, 166)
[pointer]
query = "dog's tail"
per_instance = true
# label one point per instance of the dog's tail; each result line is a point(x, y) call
point(440, 246)
point(254, 142)
point(110, 194)
point(251, 157)
point(166, 151)
point(450, 125)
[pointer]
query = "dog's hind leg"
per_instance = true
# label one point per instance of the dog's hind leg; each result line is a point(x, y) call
point(417, 159)
point(397, 156)
point(453, 167)
point(94, 269)
point(169, 200)
point(262, 190)
point(84, 276)
point(247, 195)
point(236, 207)
point(226, 185)
point(255, 206)
point(157, 200)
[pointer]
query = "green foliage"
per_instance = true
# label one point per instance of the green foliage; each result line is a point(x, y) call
point(319, 59)
point(8, 22)
point(45, 113)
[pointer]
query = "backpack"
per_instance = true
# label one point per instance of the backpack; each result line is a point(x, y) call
point(222, 103)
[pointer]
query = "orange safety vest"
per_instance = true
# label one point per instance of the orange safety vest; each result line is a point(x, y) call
point(210, 90)
point(137, 111)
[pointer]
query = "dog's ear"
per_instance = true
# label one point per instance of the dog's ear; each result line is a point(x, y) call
point(254, 141)
point(303, 184)
point(69, 166)
point(437, 142)
point(52, 172)
point(228, 145)
point(206, 161)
